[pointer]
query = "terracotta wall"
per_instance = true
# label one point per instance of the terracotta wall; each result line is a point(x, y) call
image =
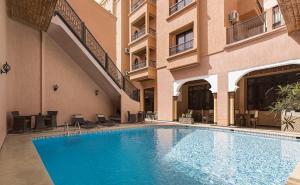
point(3, 78)
point(100, 22)
point(38, 64)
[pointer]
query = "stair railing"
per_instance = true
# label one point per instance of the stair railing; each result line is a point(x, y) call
point(76, 25)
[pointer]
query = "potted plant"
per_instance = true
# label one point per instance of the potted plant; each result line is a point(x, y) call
point(187, 118)
point(288, 106)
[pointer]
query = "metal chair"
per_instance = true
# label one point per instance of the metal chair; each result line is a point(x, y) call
point(131, 118)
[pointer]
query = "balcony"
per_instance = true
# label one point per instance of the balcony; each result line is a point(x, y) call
point(181, 47)
point(138, 34)
point(135, 5)
point(178, 6)
point(246, 29)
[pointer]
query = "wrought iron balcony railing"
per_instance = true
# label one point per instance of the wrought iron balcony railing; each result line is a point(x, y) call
point(181, 47)
point(178, 6)
point(143, 64)
point(83, 34)
point(246, 29)
point(139, 65)
point(138, 34)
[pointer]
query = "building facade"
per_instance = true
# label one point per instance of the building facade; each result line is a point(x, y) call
point(208, 56)
point(221, 59)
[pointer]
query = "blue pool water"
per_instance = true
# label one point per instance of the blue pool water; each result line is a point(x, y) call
point(168, 156)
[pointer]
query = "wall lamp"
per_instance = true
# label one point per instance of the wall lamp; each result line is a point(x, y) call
point(96, 92)
point(5, 68)
point(55, 87)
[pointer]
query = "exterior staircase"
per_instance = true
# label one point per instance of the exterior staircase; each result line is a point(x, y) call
point(47, 15)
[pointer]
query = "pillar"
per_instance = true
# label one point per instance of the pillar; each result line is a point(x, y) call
point(231, 108)
point(175, 108)
point(215, 107)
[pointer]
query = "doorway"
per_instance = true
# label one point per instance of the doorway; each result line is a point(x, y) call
point(149, 100)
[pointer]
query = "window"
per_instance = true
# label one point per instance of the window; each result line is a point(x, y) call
point(184, 37)
point(277, 17)
point(184, 41)
point(262, 91)
point(200, 97)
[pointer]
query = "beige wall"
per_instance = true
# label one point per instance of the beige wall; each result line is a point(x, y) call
point(3, 58)
point(37, 65)
point(100, 22)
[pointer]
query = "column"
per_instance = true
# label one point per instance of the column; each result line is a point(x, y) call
point(215, 107)
point(231, 108)
point(175, 108)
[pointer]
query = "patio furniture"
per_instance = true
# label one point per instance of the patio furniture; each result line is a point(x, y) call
point(21, 122)
point(40, 121)
point(207, 116)
point(101, 120)
point(253, 118)
point(51, 119)
point(78, 119)
point(150, 115)
point(141, 116)
point(238, 117)
point(131, 118)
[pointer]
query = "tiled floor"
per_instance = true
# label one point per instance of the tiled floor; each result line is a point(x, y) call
point(20, 164)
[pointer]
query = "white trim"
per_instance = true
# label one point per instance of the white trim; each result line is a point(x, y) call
point(235, 76)
point(211, 79)
point(268, 4)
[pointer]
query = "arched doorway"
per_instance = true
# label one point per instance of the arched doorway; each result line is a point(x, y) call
point(196, 96)
point(256, 91)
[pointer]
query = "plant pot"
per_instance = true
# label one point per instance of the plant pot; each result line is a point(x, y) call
point(186, 120)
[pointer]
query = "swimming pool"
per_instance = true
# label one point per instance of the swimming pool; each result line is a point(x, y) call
point(168, 156)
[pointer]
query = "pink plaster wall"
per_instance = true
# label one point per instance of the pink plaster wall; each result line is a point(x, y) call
point(37, 65)
point(3, 58)
point(76, 94)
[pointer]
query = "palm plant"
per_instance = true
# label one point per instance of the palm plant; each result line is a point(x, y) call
point(288, 100)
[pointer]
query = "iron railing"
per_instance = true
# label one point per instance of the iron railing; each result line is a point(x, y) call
point(181, 47)
point(178, 6)
point(138, 34)
point(83, 34)
point(139, 65)
point(136, 4)
point(246, 29)
point(142, 64)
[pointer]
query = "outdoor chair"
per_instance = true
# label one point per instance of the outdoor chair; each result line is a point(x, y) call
point(101, 120)
point(20, 122)
point(141, 116)
point(78, 119)
point(131, 118)
point(253, 118)
point(51, 119)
